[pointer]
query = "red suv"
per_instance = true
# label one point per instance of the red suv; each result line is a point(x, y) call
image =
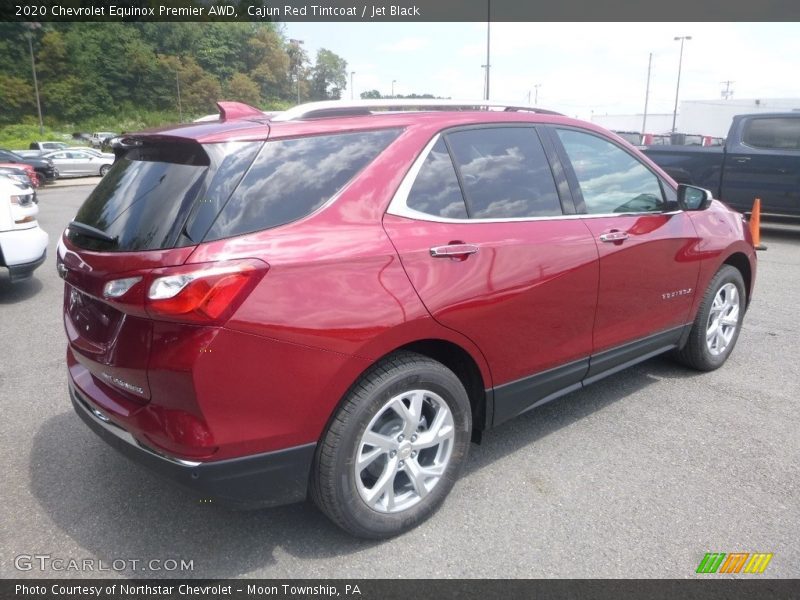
point(334, 301)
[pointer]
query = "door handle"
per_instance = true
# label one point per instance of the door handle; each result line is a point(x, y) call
point(457, 251)
point(742, 159)
point(614, 236)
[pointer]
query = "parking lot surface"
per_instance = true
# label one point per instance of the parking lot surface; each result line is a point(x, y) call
point(636, 476)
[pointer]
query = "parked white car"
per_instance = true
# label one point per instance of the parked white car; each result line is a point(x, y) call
point(23, 244)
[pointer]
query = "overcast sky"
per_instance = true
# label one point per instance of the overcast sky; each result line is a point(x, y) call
point(581, 67)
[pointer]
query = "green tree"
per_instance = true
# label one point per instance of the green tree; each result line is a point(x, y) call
point(243, 89)
point(199, 90)
point(14, 56)
point(91, 73)
point(329, 76)
point(371, 95)
point(268, 63)
point(16, 98)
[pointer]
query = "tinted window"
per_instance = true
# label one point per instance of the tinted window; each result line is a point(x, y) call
point(144, 198)
point(777, 133)
point(436, 190)
point(611, 180)
point(229, 161)
point(290, 179)
point(505, 173)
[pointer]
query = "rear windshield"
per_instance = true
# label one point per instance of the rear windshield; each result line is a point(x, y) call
point(179, 194)
point(141, 199)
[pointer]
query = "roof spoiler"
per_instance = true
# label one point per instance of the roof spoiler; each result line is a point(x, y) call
point(229, 111)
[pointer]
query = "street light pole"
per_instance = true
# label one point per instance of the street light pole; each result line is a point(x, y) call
point(393, 82)
point(682, 38)
point(536, 94)
point(647, 96)
point(29, 35)
point(488, 43)
point(351, 84)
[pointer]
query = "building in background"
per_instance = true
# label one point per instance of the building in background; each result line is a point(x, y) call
point(704, 117)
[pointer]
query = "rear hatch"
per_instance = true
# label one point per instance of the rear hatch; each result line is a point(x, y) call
point(143, 219)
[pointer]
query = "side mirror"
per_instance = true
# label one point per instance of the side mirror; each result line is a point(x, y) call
point(691, 197)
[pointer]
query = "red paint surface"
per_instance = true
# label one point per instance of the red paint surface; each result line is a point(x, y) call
point(349, 284)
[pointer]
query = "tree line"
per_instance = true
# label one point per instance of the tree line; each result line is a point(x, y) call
point(86, 70)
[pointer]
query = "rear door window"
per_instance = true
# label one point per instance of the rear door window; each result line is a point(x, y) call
point(436, 190)
point(290, 179)
point(505, 173)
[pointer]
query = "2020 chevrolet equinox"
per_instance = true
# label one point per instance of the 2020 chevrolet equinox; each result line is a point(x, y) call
point(334, 300)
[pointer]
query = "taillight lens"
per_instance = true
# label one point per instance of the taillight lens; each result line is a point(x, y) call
point(119, 287)
point(204, 293)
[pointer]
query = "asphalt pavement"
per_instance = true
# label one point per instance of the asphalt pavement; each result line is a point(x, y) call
point(636, 476)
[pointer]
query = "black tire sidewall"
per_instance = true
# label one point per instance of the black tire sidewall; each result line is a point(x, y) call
point(360, 517)
point(725, 275)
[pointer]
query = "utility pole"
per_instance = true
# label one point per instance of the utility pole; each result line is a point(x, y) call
point(536, 94)
point(180, 107)
point(647, 94)
point(682, 38)
point(488, 43)
point(29, 35)
point(727, 92)
point(393, 82)
point(351, 84)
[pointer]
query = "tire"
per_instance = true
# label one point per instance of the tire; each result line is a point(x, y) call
point(103, 170)
point(401, 482)
point(722, 309)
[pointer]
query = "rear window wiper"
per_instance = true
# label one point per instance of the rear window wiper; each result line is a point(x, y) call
point(92, 232)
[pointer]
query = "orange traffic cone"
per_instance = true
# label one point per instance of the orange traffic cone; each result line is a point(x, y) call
point(755, 225)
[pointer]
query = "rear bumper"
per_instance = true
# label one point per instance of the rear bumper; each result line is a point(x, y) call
point(25, 270)
point(261, 480)
point(22, 251)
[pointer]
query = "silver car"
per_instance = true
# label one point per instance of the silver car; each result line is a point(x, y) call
point(78, 163)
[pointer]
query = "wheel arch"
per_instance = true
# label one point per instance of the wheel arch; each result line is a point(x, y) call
point(472, 371)
point(461, 362)
point(740, 262)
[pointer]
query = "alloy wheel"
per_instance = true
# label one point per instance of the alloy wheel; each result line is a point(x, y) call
point(404, 451)
point(723, 319)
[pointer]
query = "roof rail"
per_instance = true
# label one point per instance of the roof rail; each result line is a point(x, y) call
point(347, 108)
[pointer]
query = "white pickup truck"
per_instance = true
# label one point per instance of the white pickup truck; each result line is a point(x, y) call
point(23, 244)
point(101, 138)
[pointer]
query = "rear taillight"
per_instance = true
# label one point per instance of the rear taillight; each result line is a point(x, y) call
point(202, 293)
point(206, 293)
point(119, 287)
